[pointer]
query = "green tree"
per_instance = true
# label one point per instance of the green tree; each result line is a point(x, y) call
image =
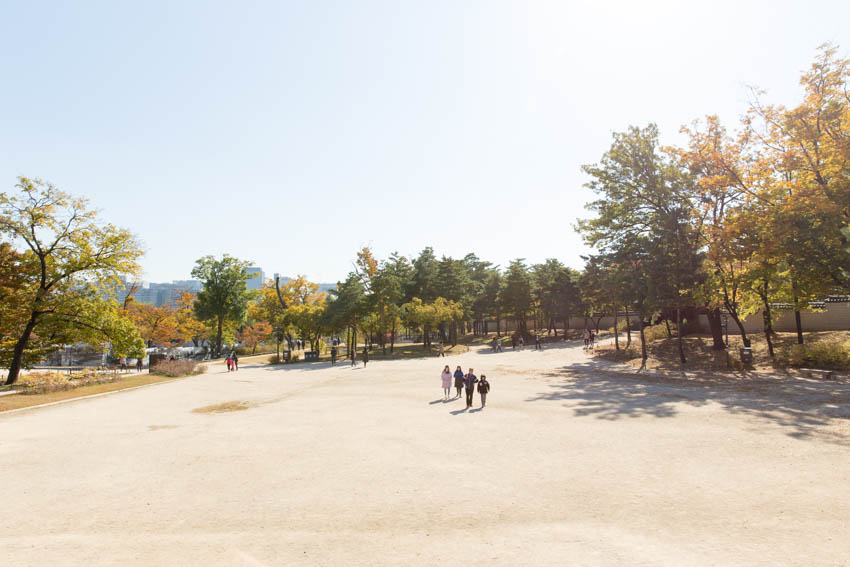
point(68, 258)
point(515, 297)
point(224, 297)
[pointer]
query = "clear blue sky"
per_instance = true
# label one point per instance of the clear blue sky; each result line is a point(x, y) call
point(292, 133)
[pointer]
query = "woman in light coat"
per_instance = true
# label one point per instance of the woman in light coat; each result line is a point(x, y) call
point(447, 382)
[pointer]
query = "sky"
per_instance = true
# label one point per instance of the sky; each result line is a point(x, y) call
point(291, 134)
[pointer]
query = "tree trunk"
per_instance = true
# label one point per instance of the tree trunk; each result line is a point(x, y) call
point(18, 353)
point(679, 334)
point(616, 331)
point(799, 324)
point(628, 329)
point(667, 324)
point(716, 325)
point(392, 339)
point(768, 323)
point(643, 355)
point(218, 337)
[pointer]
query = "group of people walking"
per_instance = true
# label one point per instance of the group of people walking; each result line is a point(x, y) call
point(232, 361)
point(468, 382)
point(364, 356)
point(516, 340)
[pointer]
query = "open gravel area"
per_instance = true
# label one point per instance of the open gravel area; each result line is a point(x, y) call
point(569, 463)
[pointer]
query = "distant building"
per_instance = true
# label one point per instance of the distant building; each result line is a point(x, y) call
point(156, 294)
point(256, 278)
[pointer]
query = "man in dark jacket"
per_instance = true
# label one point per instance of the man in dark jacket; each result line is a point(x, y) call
point(469, 383)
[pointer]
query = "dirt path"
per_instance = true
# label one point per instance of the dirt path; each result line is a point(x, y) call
point(568, 464)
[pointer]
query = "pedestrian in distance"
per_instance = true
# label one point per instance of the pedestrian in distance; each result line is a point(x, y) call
point(442, 349)
point(365, 356)
point(333, 355)
point(537, 345)
point(458, 380)
point(469, 382)
point(229, 362)
point(591, 339)
point(513, 342)
point(139, 365)
point(586, 338)
point(521, 342)
point(235, 359)
point(483, 390)
point(446, 378)
point(494, 344)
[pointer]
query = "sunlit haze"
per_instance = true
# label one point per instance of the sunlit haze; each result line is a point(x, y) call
point(292, 133)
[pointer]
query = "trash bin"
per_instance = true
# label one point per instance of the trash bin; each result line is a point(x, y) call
point(746, 355)
point(287, 354)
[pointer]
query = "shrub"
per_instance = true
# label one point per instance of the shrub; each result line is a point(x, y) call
point(46, 382)
point(822, 354)
point(653, 333)
point(178, 368)
point(275, 359)
point(43, 382)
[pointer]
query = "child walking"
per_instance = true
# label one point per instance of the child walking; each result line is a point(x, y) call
point(446, 377)
point(458, 380)
point(483, 389)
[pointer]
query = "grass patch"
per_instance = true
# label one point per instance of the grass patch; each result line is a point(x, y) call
point(225, 407)
point(132, 381)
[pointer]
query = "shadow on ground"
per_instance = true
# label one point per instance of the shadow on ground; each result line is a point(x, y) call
point(805, 408)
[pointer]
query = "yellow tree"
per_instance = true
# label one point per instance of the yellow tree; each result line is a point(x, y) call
point(73, 257)
point(255, 334)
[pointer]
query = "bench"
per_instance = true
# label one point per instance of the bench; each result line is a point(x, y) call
point(815, 373)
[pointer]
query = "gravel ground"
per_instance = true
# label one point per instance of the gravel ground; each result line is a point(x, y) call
point(569, 463)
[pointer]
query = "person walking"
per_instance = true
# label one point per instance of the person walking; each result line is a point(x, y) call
point(442, 349)
point(229, 362)
point(235, 358)
point(483, 390)
point(521, 342)
point(537, 345)
point(139, 365)
point(446, 378)
point(469, 383)
point(513, 342)
point(365, 356)
point(586, 337)
point(333, 355)
point(458, 380)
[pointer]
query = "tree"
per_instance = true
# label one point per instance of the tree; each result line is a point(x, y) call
point(69, 257)
point(388, 285)
point(157, 326)
point(255, 334)
point(424, 281)
point(515, 297)
point(224, 297)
